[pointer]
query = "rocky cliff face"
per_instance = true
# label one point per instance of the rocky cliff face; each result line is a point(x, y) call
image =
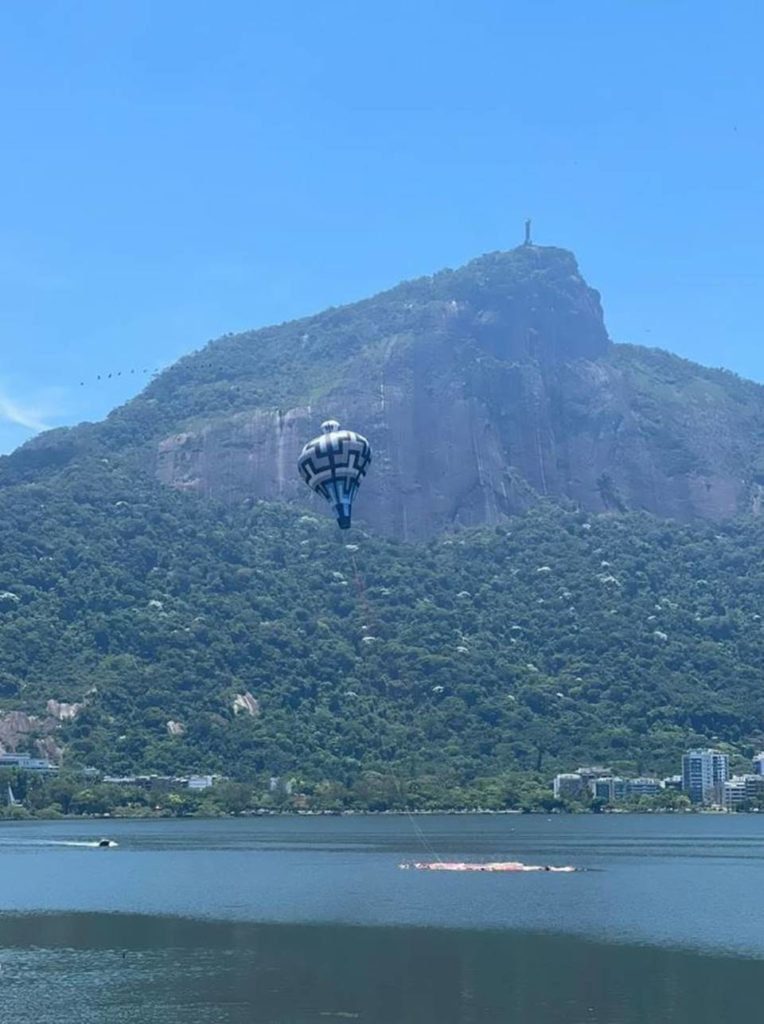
point(482, 391)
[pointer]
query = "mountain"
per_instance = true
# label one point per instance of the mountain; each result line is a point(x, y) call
point(511, 601)
point(483, 390)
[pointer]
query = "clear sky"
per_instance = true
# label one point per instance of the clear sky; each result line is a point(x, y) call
point(173, 170)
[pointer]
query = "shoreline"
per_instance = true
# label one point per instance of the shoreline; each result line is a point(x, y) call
point(444, 812)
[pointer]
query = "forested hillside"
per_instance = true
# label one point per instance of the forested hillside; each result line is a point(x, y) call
point(527, 648)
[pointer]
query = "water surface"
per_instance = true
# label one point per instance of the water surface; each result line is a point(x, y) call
point(310, 919)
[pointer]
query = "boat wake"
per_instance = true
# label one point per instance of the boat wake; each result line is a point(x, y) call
point(97, 844)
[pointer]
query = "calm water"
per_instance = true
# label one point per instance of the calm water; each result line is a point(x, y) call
point(309, 919)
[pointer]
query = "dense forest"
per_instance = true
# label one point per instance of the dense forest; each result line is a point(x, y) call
point(484, 658)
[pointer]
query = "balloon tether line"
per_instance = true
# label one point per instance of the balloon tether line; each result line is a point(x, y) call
point(416, 828)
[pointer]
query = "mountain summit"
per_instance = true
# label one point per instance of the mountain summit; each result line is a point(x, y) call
point(482, 390)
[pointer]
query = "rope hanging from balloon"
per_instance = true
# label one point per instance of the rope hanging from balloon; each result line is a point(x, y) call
point(333, 466)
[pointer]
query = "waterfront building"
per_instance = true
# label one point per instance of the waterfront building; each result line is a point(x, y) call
point(754, 788)
point(602, 789)
point(743, 789)
point(611, 788)
point(643, 787)
point(672, 782)
point(569, 785)
point(704, 773)
point(758, 764)
point(733, 793)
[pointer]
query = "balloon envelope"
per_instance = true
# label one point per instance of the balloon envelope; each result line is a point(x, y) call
point(333, 466)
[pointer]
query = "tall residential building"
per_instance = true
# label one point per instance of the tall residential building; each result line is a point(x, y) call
point(758, 764)
point(704, 773)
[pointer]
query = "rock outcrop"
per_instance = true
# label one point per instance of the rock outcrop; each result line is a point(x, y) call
point(16, 729)
point(247, 704)
point(62, 711)
point(24, 733)
point(483, 391)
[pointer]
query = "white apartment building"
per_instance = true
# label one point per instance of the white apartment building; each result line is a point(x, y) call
point(704, 773)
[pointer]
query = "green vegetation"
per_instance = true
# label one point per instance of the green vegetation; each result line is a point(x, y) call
point(51, 796)
point(464, 672)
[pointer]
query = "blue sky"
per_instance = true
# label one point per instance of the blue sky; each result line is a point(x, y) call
point(173, 171)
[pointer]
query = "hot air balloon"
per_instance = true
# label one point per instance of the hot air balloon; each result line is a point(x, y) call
point(333, 464)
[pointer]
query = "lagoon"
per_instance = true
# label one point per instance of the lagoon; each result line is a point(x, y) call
point(310, 919)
